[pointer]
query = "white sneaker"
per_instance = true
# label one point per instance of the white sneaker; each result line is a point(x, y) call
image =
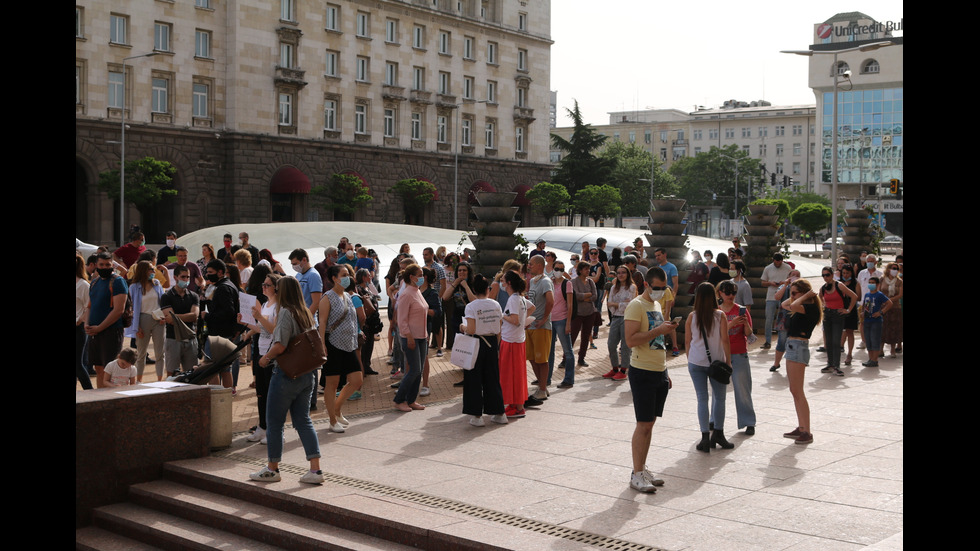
point(652, 478)
point(424, 391)
point(477, 421)
point(337, 427)
point(540, 394)
point(639, 483)
point(259, 434)
point(343, 420)
point(265, 475)
point(312, 477)
point(499, 419)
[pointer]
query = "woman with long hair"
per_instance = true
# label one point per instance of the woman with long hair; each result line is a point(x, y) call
point(81, 301)
point(207, 255)
point(481, 385)
point(145, 292)
point(805, 306)
point(739, 328)
point(513, 361)
point(362, 280)
point(622, 292)
point(412, 313)
point(835, 297)
point(289, 395)
point(706, 340)
point(264, 313)
point(338, 329)
point(276, 267)
point(582, 309)
point(893, 332)
point(719, 272)
point(848, 280)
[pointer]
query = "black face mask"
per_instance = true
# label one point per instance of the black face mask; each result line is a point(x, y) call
point(213, 278)
point(104, 273)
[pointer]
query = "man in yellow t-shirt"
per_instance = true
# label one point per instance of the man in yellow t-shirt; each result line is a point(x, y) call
point(645, 328)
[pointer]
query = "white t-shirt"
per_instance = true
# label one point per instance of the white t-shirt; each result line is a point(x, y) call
point(117, 375)
point(516, 304)
point(265, 337)
point(486, 313)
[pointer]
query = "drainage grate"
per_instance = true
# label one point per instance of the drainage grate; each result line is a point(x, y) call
point(596, 540)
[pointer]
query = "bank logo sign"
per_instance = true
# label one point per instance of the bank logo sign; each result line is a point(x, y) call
point(854, 29)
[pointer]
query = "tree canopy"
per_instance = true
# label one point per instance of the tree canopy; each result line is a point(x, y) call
point(631, 173)
point(549, 199)
point(345, 193)
point(598, 202)
point(811, 217)
point(148, 181)
point(415, 195)
point(708, 178)
point(579, 166)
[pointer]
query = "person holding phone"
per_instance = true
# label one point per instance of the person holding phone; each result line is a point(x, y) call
point(739, 328)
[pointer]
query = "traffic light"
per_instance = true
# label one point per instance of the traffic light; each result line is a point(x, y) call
point(895, 188)
point(786, 181)
point(772, 177)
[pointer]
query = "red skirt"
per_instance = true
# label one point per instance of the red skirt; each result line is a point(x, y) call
point(513, 373)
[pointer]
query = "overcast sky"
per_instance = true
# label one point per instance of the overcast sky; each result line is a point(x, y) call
point(640, 54)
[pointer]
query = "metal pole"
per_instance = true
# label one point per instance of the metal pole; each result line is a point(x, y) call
point(833, 172)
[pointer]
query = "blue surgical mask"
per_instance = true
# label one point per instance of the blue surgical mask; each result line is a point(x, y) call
point(872, 287)
point(345, 282)
point(183, 284)
point(419, 281)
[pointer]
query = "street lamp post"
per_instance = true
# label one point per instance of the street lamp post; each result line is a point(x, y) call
point(122, 154)
point(833, 133)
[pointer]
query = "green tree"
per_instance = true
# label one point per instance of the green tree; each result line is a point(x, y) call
point(782, 206)
point(344, 193)
point(579, 166)
point(811, 217)
point(708, 178)
point(549, 199)
point(415, 196)
point(631, 175)
point(598, 202)
point(148, 181)
point(796, 198)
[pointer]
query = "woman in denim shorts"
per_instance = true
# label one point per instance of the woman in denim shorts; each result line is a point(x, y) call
point(806, 309)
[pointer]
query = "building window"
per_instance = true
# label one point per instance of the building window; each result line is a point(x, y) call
point(445, 43)
point(286, 55)
point(391, 73)
point(745, 148)
point(698, 135)
point(467, 47)
point(389, 123)
point(363, 24)
point(797, 149)
point(779, 168)
point(331, 63)
point(796, 169)
point(491, 91)
point(746, 132)
point(797, 129)
point(712, 133)
point(521, 21)
point(287, 10)
point(762, 150)
point(206, 4)
point(391, 31)
point(444, 83)
point(729, 133)
point(663, 153)
point(418, 37)
point(329, 115)
point(697, 151)
point(360, 119)
point(647, 136)
point(522, 98)
point(416, 126)
point(779, 150)
point(519, 139)
point(202, 44)
point(467, 87)
point(521, 60)
point(632, 136)
point(79, 85)
point(79, 22)
point(441, 126)
point(201, 97)
point(116, 90)
point(492, 53)
point(871, 67)
point(842, 67)
point(161, 95)
point(418, 78)
point(467, 127)
point(331, 20)
point(615, 136)
point(118, 27)
point(363, 68)
point(780, 130)
point(285, 109)
point(813, 148)
point(161, 36)
point(491, 144)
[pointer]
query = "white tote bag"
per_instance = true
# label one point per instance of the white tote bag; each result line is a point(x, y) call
point(465, 349)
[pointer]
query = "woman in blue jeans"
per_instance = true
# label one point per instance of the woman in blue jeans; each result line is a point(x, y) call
point(289, 395)
point(622, 292)
point(412, 313)
point(739, 328)
point(561, 326)
point(708, 320)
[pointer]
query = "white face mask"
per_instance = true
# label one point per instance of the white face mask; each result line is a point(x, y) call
point(171, 243)
point(894, 272)
point(657, 295)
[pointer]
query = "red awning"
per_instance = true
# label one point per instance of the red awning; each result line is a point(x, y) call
point(289, 179)
point(521, 199)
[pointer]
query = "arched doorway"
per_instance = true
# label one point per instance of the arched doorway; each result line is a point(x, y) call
point(287, 193)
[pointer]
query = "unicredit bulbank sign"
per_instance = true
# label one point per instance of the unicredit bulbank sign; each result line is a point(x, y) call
point(825, 30)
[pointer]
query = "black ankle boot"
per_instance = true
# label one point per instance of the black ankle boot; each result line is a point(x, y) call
point(705, 445)
point(718, 437)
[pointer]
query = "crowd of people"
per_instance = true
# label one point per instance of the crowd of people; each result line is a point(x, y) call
point(516, 318)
